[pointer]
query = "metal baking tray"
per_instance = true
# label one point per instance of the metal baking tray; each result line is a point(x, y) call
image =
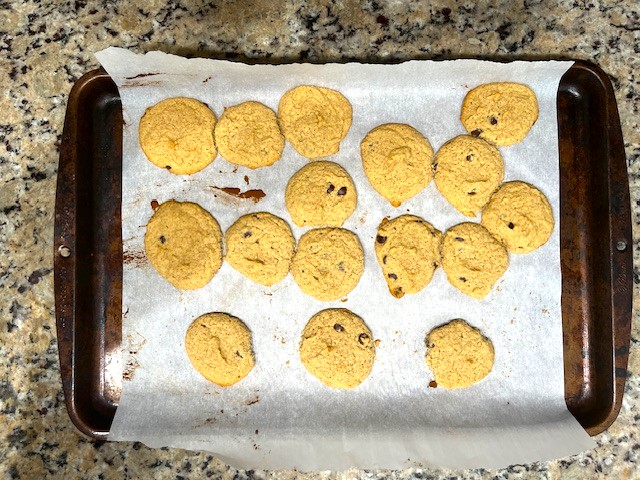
point(595, 231)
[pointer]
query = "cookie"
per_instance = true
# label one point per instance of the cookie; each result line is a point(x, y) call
point(219, 348)
point(184, 244)
point(248, 134)
point(458, 354)
point(408, 251)
point(397, 160)
point(472, 259)
point(519, 215)
point(328, 263)
point(177, 134)
point(501, 113)
point(337, 348)
point(260, 246)
point(314, 120)
point(320, 194)
point(467, 171)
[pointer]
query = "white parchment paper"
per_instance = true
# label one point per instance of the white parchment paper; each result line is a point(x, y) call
point(280, 416)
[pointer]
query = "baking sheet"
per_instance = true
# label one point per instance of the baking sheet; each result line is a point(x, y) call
point(280, 416)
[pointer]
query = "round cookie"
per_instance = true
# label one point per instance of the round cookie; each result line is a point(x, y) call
point(314, 120)
point(184, 244)
point(248, 135)
point(177, 134)
point(467, 171)
point(472, 259)
point(408, 251)
point(397, 160)
point(519, 215)
point(328, 263)
point(319, 194)
point(501, 113)
point(260, 246)
point(458, 354)
point(337, 348)
point(219, 348)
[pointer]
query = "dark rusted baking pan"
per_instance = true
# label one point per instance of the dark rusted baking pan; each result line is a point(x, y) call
point(595, 229)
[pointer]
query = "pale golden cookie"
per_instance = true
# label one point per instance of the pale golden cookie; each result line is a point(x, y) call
point(219, 348)
point(472, 259)
point(320, 194)
point(184, 244)
point(467, 171)
point(501, 113)
point(458, 354)
point(328, 263)
point(337, 348)
point(248, 134)
point(260, 246)
point(408, 250)
point(519, 215)
point(397, 160)
point(177, 134)
point(314, 120)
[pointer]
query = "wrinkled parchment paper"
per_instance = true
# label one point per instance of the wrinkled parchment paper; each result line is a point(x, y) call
point(280, 416)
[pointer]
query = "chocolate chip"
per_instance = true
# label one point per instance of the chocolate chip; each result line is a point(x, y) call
point(247, 234)
point(392, 276)
point(471, 193)
point(362, 337)
point(459, 239)
point(476, 132)
point(384, 260)
point(342, 191)
point(162, 239)
point(168, 167)
point(510, 225)
point(469, 157)
point(493, 120)
point(435, 265)
point(341, 266)
point(433, 384)
point(381, 240)
point(331, 188)
point(338, 328)
point(462, 279)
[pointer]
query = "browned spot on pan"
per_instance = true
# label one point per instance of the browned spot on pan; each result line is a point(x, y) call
point(132, 364)
point(141, 84)
point(130, 369)
point(135, 258)
point(255, 195)
point(142, 75)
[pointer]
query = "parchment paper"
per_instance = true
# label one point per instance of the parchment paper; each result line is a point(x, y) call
point(280, 416)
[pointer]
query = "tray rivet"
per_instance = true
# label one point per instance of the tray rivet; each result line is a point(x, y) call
point(621, 245)
point(64, 251)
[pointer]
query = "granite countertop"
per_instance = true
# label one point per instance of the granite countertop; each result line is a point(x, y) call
point(46, 46)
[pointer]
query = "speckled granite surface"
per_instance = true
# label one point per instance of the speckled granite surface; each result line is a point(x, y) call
point(46, 46)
